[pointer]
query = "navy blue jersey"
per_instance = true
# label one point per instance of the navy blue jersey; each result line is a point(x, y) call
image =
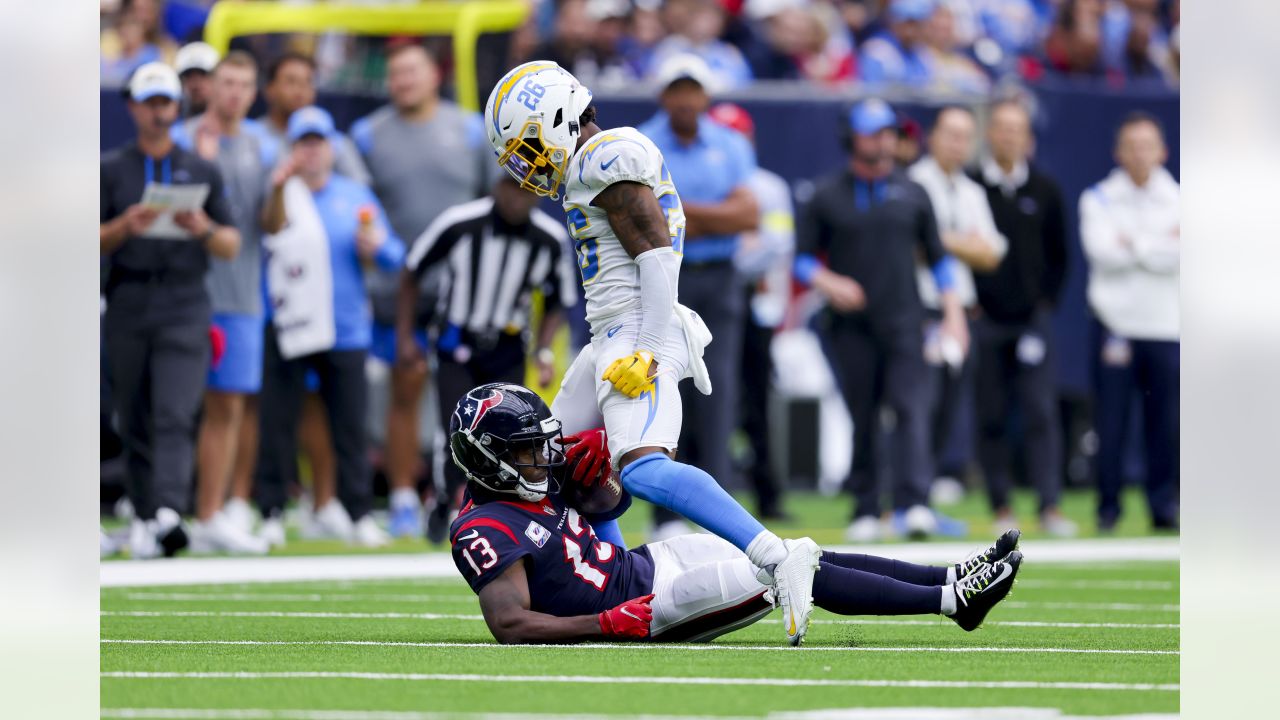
point(570, 572)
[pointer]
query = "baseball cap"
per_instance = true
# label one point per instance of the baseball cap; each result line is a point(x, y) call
point(685, 66)
point(195, 56)
point(310, 120)
point(871, 116)
point(154, 79)
point(902, 10)
point(733, 117)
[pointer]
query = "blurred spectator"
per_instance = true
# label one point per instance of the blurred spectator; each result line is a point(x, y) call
point(291, 84)
point(1000, 30)
point(586, 42)
point(425, 154)
point(194, 62)
point(696, 27)
point(794, 39)
point(325, 227)
point(763, 260)
point(1130, 227)
point(1074, 44)
point(910, 139)
point(1013, 333)
point(135, 38)
point(513, 248)
point(950, 69)
point(896, 55)
point(969, 234)
point(1134, 43)
point(644, 32)
point(857, 245)
point(712, 166)
point(156, 326)
point(228, 426)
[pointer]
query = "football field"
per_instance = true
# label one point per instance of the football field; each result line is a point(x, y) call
point(1078, 637)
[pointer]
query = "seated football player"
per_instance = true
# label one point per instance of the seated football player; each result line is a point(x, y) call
point(543, 576)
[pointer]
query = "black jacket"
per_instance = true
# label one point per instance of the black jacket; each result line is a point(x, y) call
point(1031, 275)
point(872, 232)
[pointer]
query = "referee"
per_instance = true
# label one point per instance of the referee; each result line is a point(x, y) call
point(156, 327)
point(496, 251)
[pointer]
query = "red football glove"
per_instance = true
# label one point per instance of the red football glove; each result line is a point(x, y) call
point(629, 620)
point(588, 454)
point(217, 346)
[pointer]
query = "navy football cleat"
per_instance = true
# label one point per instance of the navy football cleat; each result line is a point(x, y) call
point(978, 593)
point(1005, 544)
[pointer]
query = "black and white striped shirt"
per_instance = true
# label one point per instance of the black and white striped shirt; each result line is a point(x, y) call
point(493, 267)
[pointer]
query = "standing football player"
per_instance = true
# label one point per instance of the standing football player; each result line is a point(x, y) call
point(543, 575)
point(627, 225)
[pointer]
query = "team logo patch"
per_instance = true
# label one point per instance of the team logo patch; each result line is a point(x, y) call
point(538, 534)
point(487, 404)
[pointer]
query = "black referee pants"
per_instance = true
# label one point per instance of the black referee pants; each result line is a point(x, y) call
point(505, 362)
point(345, 392)
point(158, 358)
point(877, 368)
point(757, 377)
point(1018, 359)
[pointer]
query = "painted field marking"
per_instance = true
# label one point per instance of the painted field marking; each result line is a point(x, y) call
point(628, 646)
point(450, 616)
point(1099, 584)
point(645, 680)
point(469, 597)
point(1142, 607)
point(889, 713)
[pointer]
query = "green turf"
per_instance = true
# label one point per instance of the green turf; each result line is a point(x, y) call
point(824, 519)
point(1143, 594)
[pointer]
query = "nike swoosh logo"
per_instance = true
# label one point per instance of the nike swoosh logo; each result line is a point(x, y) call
point(610, 332)
point(626, 612)
point(470, 536)
point(792, 630)
point(605, 166)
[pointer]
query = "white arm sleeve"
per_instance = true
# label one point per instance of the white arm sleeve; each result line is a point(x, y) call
point(659, 287)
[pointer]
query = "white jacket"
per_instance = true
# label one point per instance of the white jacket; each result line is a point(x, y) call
point(959, 205)
point(1131, 239)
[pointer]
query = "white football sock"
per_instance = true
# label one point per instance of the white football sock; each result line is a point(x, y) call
point(404, 497)
point(948, 599)
point(766, 549)
point(951, 575)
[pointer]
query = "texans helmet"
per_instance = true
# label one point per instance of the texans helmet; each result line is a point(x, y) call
point(498, 429)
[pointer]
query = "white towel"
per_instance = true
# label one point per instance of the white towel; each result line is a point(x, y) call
point(300, 278)
point(697, 336)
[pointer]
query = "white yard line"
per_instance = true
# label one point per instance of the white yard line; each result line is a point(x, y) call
point(469, 597)
point(901, 713)
point(264, 714)
point(1137, 607)
point(645, 680)
point(194, 571)
point(451, 616)
point(1100, 584)
point(661, 647)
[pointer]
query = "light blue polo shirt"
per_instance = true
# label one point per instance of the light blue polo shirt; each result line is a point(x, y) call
point(704, 171)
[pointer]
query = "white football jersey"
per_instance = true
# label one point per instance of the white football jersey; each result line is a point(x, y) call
point(610, 278)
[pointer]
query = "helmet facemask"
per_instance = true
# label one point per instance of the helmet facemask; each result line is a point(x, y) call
point(538, 168)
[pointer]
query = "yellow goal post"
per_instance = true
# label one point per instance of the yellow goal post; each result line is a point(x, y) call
point(464, 21)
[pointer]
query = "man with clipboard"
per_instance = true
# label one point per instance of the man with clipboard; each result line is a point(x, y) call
point(157, 319)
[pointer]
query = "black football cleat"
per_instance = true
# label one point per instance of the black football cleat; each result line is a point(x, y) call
point(978, 593)
point(1005, 544)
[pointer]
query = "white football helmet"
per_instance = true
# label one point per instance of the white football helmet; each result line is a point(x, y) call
point(532, 120)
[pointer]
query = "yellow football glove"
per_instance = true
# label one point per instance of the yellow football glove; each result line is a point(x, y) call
point(630, 374)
